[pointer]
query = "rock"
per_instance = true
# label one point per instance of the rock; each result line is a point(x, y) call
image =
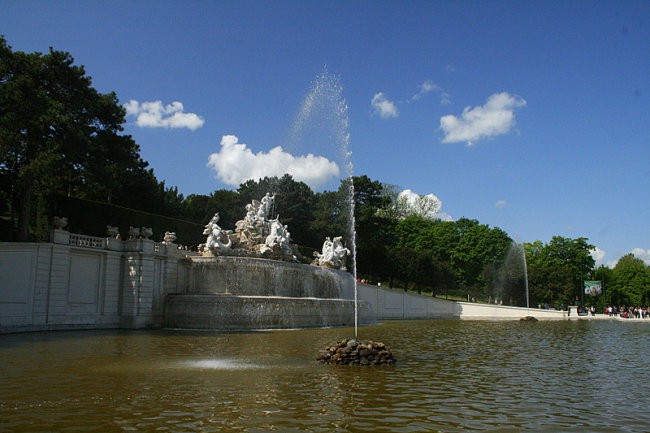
point(353, 352)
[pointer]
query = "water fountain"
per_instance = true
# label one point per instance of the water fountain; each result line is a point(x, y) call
point(253, 277)
point(325, 101)
point(511, 276)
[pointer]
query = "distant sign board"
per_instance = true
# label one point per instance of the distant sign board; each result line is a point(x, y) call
point(593, 288)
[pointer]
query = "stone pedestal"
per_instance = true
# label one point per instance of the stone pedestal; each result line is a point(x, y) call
point(59, 236)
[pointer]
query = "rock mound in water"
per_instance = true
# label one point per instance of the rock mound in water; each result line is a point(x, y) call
point(354, 352)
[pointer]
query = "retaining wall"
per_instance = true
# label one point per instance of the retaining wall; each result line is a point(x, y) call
point(85, 282)
point(390, 304)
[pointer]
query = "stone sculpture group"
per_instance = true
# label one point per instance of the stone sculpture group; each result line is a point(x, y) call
point(259, 234)
point(333, 254)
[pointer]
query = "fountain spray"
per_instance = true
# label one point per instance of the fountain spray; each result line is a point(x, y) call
point(325, 107)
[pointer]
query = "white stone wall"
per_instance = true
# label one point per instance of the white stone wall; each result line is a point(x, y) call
point(473, 311)
point(389, 304)
point(85, 282)
point(18, 271)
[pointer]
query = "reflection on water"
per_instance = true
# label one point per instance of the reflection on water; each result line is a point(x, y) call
point(451, 376)
point(219, 364)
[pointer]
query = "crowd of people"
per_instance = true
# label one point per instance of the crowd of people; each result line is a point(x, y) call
point(627, 312)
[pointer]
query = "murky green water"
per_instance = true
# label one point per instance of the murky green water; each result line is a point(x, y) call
point(451, 376)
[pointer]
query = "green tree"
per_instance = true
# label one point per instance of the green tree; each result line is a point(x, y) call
point(52, 121)
point(374, 233)
point(201, 208)
point(478, 246)
point(112, 170)
point(551, 284)
point(604, 274)
point(294, 203)
point(631, 282)
point(435, 240)
point(556, 270)
point(331, 215)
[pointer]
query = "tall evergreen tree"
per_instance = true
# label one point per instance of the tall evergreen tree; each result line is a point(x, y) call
point(57, 133)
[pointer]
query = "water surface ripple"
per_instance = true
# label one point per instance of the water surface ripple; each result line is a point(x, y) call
point(451, 376)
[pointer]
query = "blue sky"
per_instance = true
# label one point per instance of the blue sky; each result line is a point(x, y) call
point(531, 116)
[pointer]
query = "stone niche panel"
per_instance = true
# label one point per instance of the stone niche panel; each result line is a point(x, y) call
point(16, 283)
point(85, 272)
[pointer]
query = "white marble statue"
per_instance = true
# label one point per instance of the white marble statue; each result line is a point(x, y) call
point(215, 234)
point(59, 222)
point(333, 253)
point(279, 236)
point(251, 212)
point(170, 238)
point(257, 212)
point(265, 206)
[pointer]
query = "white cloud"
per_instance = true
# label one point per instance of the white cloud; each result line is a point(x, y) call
point(642, 254)
point(639, 253)
point(428, 87)
point(156, 115)
point(383, 106)
point(426, 206)
point(236, 163)
point(500, 204)
point(495, 118)
point(598, 256)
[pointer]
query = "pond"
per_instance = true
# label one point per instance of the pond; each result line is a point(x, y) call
point(451, 376)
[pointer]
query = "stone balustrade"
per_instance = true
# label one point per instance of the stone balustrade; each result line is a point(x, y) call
point(86, 241)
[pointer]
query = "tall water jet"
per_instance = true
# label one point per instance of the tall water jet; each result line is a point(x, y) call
point(323, 118)
point(523, 253)
point(509, 278)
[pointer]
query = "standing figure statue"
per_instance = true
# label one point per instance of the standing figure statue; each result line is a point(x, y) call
point(265, 206)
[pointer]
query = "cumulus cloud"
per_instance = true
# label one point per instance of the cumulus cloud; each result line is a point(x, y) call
point(598, 256)
point(428, 87)
point(496, 117)
point(500, 204)
point(639, 253)
point(642, 254)
point(383, 107)
point(426, 206)
point(236, 163)
point(156, 115)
